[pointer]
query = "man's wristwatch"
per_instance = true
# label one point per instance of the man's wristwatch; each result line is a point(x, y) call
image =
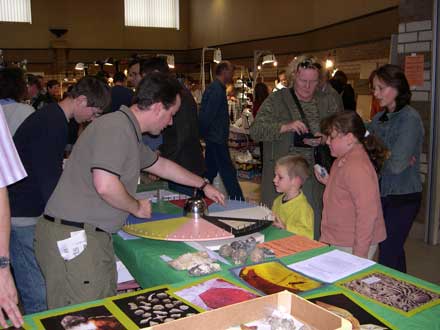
point(205, 183)
point(4, 262)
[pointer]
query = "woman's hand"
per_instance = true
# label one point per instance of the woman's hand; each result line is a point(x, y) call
point(296, 126)
point(321, 176)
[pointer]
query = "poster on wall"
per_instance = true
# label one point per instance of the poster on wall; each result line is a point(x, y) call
point(414, 65)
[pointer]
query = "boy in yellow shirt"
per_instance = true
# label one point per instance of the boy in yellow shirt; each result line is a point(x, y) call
point(291, 209)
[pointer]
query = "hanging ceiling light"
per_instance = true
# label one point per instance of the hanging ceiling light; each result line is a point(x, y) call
point(109, 61)
point(80, 66)
point(170, 61)
point(217, 55)
point(270, 58)
point(169, 58)
point(329, 64)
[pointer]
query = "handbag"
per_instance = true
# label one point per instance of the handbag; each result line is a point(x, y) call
point(321, 153)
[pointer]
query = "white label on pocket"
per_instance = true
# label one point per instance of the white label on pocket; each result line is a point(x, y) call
point(72, 247)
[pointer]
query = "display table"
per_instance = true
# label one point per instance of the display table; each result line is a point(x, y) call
point(163, 274)
point(142, 258)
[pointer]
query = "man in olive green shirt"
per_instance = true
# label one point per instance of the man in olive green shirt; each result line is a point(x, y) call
point(96, 190)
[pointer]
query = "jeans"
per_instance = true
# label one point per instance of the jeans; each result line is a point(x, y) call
point(218, 160)
point(399, 214)
point(28, 277)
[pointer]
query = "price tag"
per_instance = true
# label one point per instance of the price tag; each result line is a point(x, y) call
point(371, 280)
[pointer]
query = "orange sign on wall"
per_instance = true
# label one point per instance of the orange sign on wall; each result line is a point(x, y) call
point(414, 65)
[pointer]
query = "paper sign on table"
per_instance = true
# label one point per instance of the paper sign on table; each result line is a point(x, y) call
point(331, 266)
point(291, 245)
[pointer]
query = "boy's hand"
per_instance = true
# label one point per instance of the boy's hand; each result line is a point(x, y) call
point(278, 223)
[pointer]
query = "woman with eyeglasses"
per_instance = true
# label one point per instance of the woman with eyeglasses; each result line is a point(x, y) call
point(279, 120)
point(400, 127)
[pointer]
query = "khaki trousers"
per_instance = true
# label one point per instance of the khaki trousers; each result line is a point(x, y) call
point(89, 276)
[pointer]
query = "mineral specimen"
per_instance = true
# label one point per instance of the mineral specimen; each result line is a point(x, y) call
point(239, 256)
point(204, 269)
point(257, 255)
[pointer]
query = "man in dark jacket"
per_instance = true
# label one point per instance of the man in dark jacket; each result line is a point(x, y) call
point(120, 94)
point(181, 140)
point(214, 128)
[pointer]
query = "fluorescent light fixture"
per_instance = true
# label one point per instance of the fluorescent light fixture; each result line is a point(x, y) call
point(217, 55)
point(269, 59)
point(15, 11)
point(151, 13)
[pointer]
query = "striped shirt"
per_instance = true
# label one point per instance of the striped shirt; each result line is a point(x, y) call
point(11, 168)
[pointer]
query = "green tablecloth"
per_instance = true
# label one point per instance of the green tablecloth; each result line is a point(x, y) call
point(142, 258)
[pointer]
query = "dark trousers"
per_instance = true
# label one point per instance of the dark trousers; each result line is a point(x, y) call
point(399, 212)
point(218, 160)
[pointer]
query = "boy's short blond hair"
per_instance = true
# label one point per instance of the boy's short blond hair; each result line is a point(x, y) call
point(296, 166)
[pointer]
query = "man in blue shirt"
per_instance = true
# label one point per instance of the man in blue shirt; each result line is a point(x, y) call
point(214, 129)
point(40, 141)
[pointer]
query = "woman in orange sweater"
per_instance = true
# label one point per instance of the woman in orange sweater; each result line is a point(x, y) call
point(352, 218)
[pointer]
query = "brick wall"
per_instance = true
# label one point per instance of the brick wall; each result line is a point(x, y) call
point(415, 36)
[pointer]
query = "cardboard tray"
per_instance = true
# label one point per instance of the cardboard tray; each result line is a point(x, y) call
point(314, 316)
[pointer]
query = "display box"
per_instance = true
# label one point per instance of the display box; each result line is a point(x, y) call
point(315, 317)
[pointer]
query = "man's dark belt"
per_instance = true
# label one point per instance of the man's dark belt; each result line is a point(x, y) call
point(68, 223)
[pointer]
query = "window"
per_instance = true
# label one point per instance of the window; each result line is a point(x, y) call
point(15, 11)
point(152, 13)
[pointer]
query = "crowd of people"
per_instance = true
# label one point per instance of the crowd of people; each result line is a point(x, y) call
point(369, 199)
point(364, 201)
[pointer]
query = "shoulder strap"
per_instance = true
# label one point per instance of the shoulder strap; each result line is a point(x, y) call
point(300, 109)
